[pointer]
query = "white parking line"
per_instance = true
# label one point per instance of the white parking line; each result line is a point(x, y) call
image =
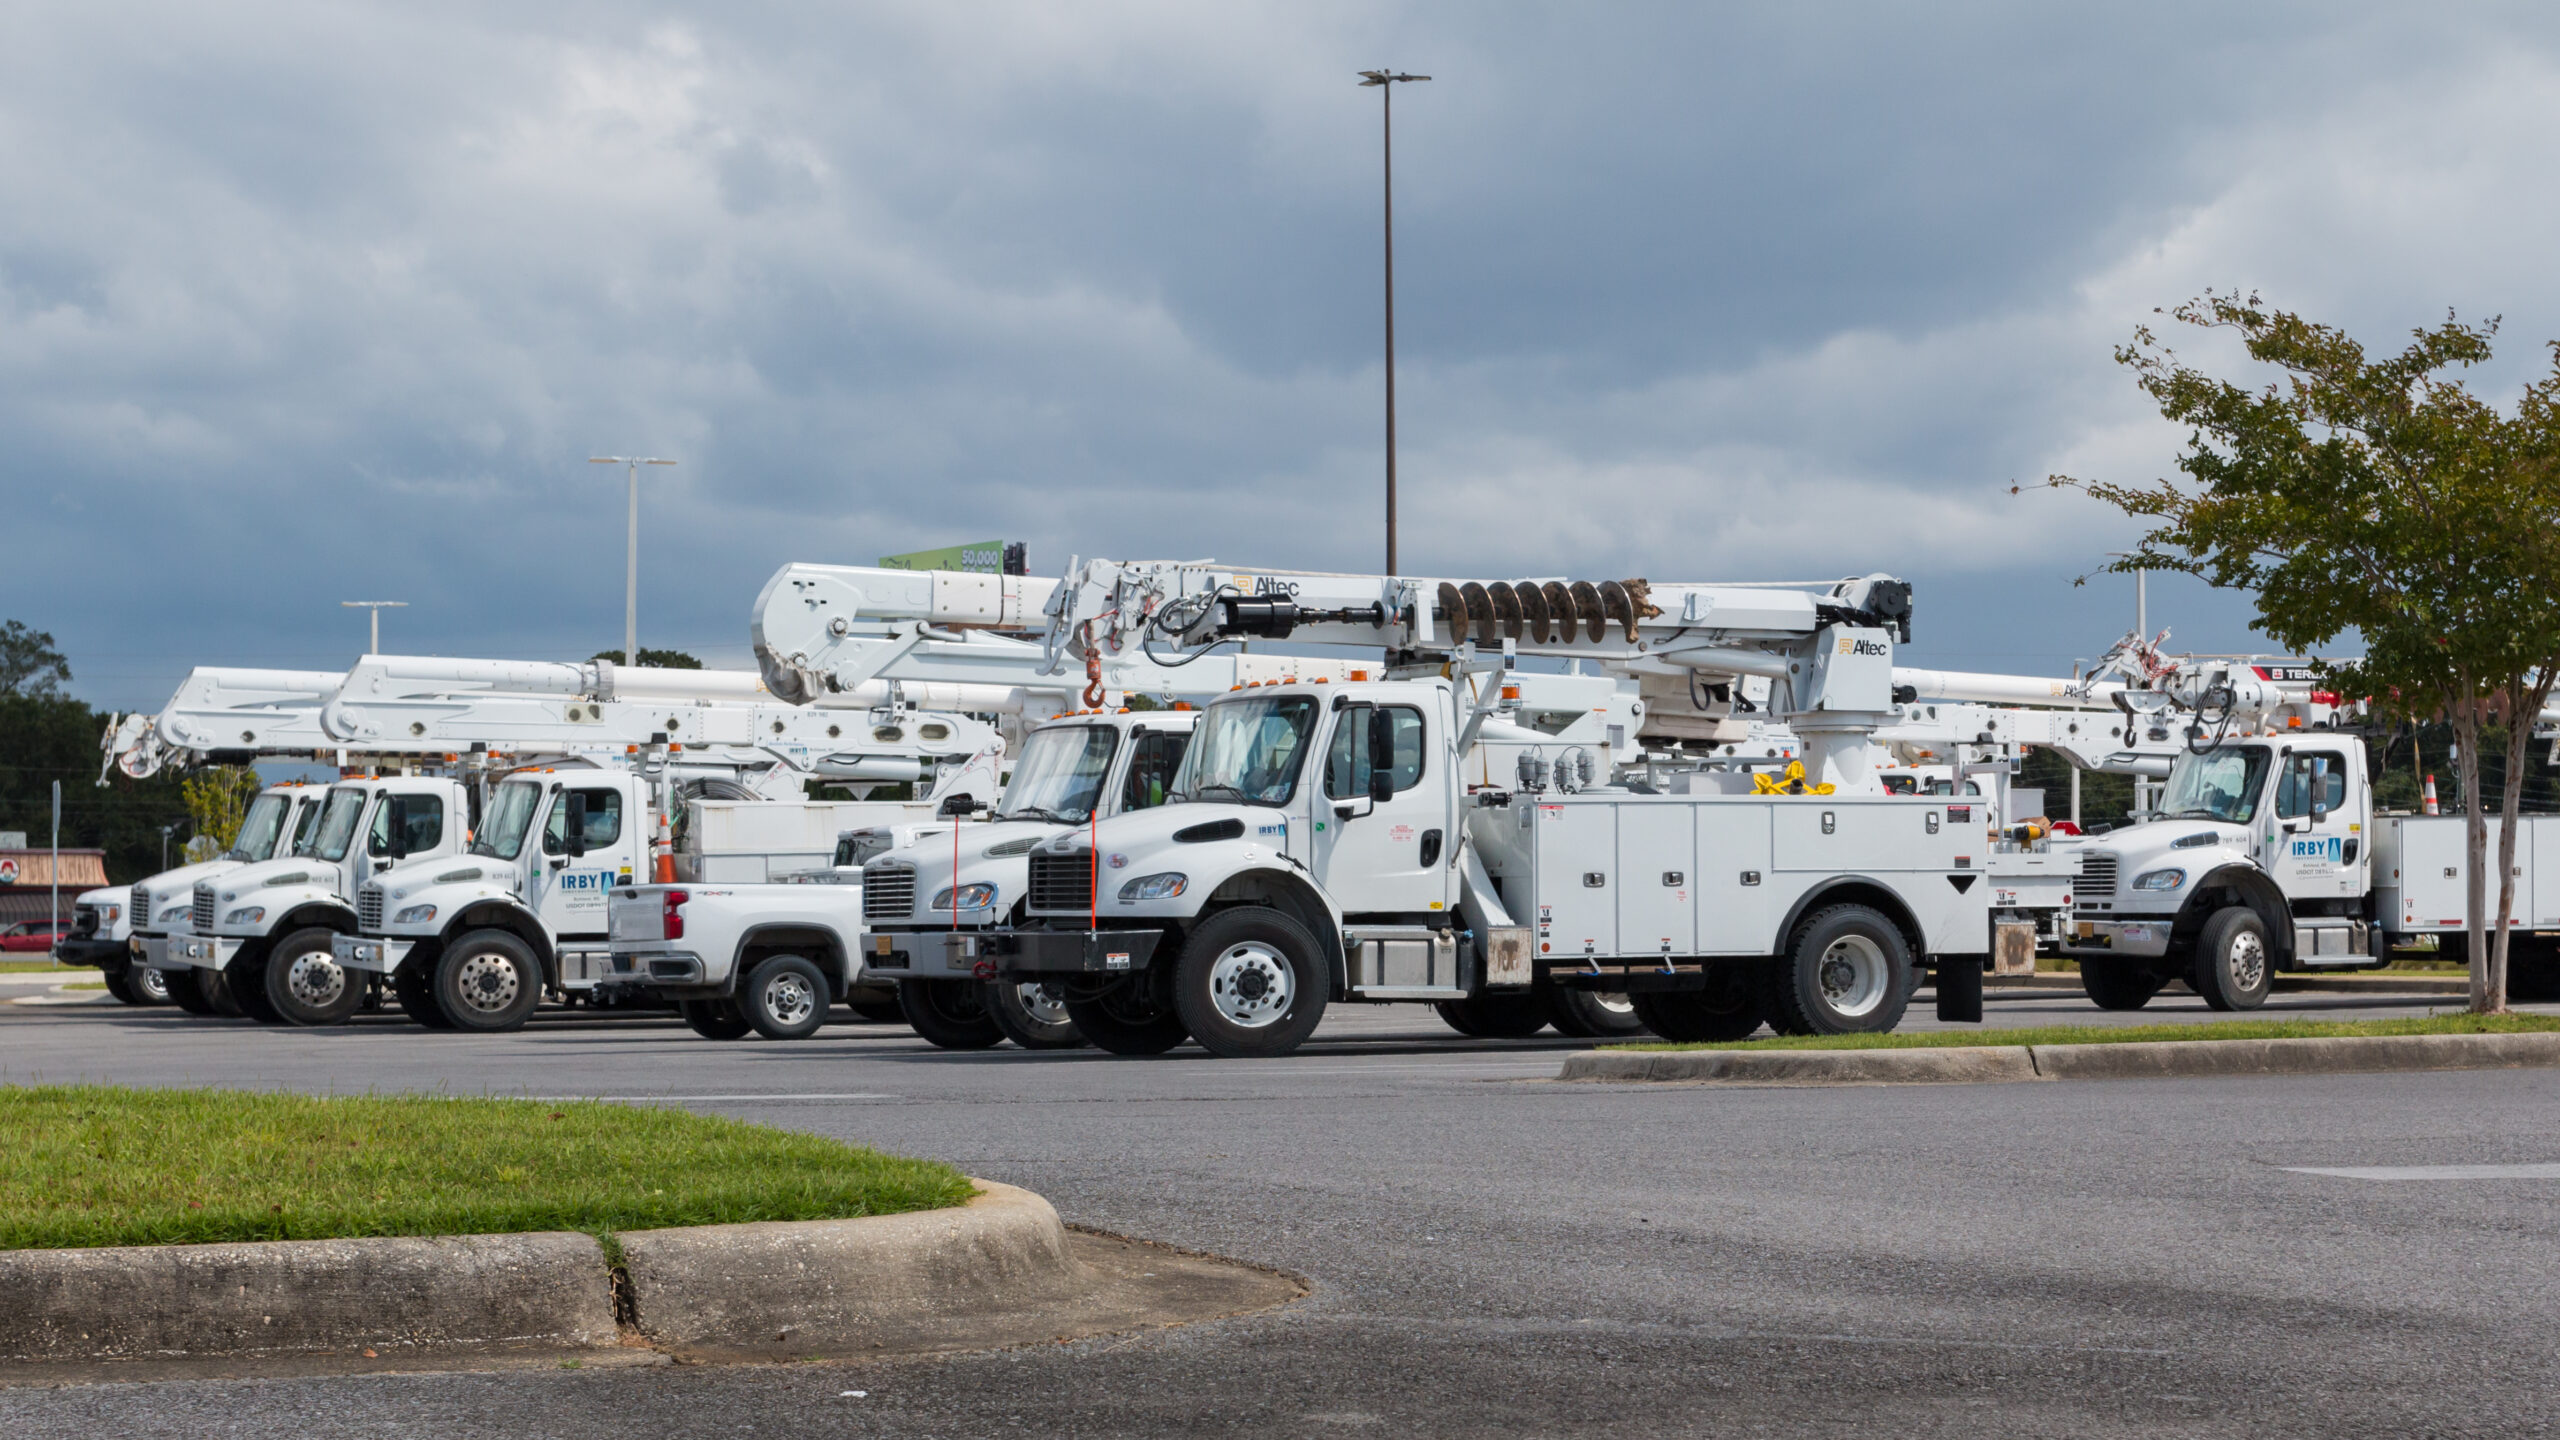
point(689, 1099)
point(2431, 1172)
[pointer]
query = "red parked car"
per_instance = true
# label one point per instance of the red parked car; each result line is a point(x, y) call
point(34, 935)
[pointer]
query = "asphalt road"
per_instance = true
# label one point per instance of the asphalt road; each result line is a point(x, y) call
point(1492, 1253)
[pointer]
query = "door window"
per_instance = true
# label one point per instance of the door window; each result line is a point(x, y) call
point(2293, 791)
point(425, 824)
point(604, 821)
point(1347, 760)
point(1152, 762)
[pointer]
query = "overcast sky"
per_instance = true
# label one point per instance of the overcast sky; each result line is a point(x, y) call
point(302, 303)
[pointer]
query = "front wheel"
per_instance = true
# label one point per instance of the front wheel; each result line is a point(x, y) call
point(149, 986)
point(785, 998)
point(2119, 984)
point(413, 985)
point(1128, 1019)
point(948, 1013)
point(714, 1019)
point(186, 993)
point(1251, 982)
point(306, 985)
point(488, 981)
point(2234, 965)
point(1597, 1014)
point(1848, 972)
point(121, 987)
point(1497, 1014)
point(246, 983)
point(1033, 1016)
point(218, 998)
point(1727, 1009)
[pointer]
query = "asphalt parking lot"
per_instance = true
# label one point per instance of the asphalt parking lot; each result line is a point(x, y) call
point(1492, 1252)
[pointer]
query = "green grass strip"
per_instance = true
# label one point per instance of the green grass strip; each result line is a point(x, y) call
point(100, 1165)
point(2457, 1024)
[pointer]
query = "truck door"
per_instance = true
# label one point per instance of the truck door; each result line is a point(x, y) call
point(1385, 813)
point(2313, 820)
point(1152, 760)
point(571, 880)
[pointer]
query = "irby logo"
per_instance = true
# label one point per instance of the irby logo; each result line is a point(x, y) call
point(2328, 849)
point(585, 880)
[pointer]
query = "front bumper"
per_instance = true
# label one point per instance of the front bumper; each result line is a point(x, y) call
point(986, 954)
point(379, 954)
point(202, 952)
point(89, 950)
point(660, 967)
point(2141, 939)
point(151, 950)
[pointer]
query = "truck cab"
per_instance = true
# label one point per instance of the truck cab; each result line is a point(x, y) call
point(919, 899)
point(279, 818)
point(2259, 859)
point(473, 940)
point(267, 928)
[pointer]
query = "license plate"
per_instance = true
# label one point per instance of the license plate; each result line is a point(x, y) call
point(2141, 933)
point(2085, 929)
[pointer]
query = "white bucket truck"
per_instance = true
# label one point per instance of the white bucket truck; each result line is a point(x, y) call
point(1328, 842)
point(279, 818)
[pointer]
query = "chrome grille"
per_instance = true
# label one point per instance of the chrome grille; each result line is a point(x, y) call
point(888, 892)
point(203, 919)
point(140, 908)
point(1062, 882)
point(369, 908)
point(2097, 875)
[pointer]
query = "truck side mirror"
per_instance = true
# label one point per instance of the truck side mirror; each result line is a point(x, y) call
point(954, 807)
point(2319, 789)
point(396, 816)
point(575, 841)
point(1382, 754)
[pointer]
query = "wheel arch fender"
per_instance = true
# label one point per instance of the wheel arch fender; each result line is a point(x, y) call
point(2249, 886)
point(327, 914)
point(1292, 895)
point(818, 944)
point(1858, 890)
point(507, 915)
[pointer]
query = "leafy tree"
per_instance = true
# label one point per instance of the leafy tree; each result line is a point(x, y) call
point(2383, 497)
point(218, 799)
point(29, 665)
point(663, 659)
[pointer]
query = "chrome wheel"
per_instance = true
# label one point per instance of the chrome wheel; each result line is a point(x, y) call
point(1616, 1002)
point(789, 999)
point(1251, 984)
point(488, 983)
point(315, 979)
point(1854, 975)
point(1044, 1003)
point(2248, 962)
point(153, 984)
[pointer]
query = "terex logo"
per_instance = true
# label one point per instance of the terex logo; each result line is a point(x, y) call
point(2328, 849)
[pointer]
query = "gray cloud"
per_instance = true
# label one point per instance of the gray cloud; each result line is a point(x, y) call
point(302, 303)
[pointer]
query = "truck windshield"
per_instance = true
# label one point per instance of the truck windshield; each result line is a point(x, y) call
point(510, 816)
point(2220, 785)
point(1059, 776)
point(338, 824)
point(1247, 750)
point(259, 829)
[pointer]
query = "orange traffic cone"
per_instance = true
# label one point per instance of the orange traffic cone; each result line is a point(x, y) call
point(2431, 797)
point(662, 854)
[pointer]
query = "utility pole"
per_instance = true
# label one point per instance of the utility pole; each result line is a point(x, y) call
point(1386, 82)
point(377, 607)
point(55, 913)
point(631, 574)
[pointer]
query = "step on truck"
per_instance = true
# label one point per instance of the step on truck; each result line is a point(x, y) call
point(923, 902)
point(2266, 855)
point(279, 818)
point(265, 934)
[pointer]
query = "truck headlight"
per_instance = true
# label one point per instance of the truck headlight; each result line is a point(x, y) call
point(967, 897)
point(415, 915)
point(1153, 887)
point(2160, 880)
point(246, 915)
point(179, 911)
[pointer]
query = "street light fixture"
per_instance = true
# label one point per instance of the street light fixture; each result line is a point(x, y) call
point(1386, 81)
point(377, 607)
point(631, 575)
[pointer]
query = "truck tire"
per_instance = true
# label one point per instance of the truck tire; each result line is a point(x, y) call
point(2532, 977)
point(1847, 972)
point(877, 1009)
point(186, 992)
point(1032, 1016)
point(121, 988)
point(413, 985)
point(150, 987)
point(306, 985)
point(1497, 1014)
point(715, 1019)
point(1727, 1009)
point(949, 1013)
point(2235, 967)
point(488, 981)
point(1128, 1019)
point(246, 983)
point(216, 994)
point(2120, 984)
point(785, 998)
point(1597, 1014)
point(1251, 982)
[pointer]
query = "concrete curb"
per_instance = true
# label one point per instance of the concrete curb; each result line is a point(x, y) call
point(550, 1290)
point(905, 1282)
point(2284, 984)
point(1975, 1064)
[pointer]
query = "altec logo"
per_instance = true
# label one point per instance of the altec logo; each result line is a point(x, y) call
point(1851, 645)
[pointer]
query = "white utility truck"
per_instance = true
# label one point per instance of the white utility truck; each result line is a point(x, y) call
point(279, 818)
point(2266, 854)
point(1331, 842)
point(101, 936)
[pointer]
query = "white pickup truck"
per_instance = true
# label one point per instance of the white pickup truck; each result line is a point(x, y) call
point(739, 958)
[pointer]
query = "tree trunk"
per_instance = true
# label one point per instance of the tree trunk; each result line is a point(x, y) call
point(2475, 846)
point(2525, 698)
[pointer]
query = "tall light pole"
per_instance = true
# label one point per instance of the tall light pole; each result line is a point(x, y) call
point(377, 607)
point(1386, 82)
point(631, 575)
